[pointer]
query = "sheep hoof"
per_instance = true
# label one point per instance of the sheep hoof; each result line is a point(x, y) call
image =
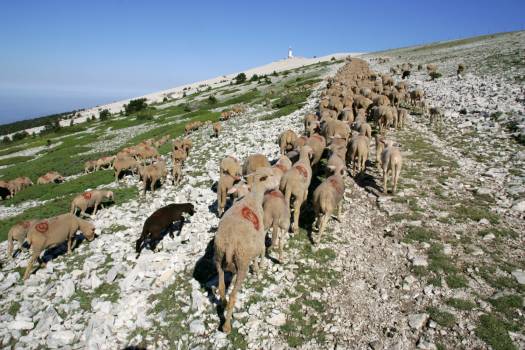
point(227, 328)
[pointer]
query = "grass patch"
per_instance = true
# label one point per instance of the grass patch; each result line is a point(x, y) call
point(419, 234)
point(13, 308)
point(456, 281)
point(507, 304)
point(463, 213)
point(494, 331)
point(14, 160)
point(442, 318)
point(498, 232)
point(461, 304)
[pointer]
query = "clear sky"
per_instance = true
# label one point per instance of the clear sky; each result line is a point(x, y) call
point(61, 55)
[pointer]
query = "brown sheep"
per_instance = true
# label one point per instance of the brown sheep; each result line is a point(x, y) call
point(240, 239)
point(217, 127)
point(254, 162)
point(90, 199)
point(18, 233)
point(286, 141)
point(310, 124)
point(176, 173)
point(317, 143)
point(124, 164)
point(54, 231)
point(89, 166)
point(104, 162)
point(327, 197)
point(226, 182)
point(358, 153)
point(296, 182)
point(230, 165)
point(276, 217)
point(391, 162)
point(50, 177)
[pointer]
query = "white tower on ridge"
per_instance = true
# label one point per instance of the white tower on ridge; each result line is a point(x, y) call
point(290, 54)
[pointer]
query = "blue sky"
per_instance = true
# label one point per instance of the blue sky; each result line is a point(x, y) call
point(60, 55)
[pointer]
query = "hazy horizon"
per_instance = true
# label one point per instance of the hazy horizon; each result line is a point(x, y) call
point(60, 56)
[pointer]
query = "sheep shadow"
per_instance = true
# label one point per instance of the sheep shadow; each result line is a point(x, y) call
point(367, 182)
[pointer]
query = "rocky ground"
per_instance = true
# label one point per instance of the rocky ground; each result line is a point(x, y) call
point(438, 266)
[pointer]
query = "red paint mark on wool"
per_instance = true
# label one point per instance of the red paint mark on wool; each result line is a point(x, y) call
point(302, 170)
point(42, 227)
point(87, 195)
point(249, 215)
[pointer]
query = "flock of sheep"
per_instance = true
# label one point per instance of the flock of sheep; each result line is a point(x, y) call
point(266, 196)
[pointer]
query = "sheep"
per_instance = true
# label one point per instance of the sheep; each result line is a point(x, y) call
point(179, 156)
point(104, 162)
point(50, 177)
point(217, 127)
point(416, 95)
point(160, 221)
point(460, 70)
point(301, 141)
point(230, 165)
point(327, 197)
point(277, 217)
point(391, 162)
point(381, 100)
point(286, 141)
point(402, 115)
point(361, 102)
point(435, 114)
point(18, 233)
point(240, 239)
point(431, 68)
point(176, 173)
point(310, 124)
point(151, 174)
point(226, 182)
point(365, 130)
point(54, 231)
point(336, 127)
point(347, 115)
point(317, 143)
point(124, 164)
point(254, 162)
point(90, 199)
point(89, 166)
point(296, 182)
point(280, 167)
point(146, 152)
point(358, 153)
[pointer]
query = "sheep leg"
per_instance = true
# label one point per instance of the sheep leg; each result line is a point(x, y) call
point(241, 275)
point(95, 208)
point(275, 235)
point(29, 267)
point(69, 244)
point(10, 246)
point(296, 212)
point(385, 180)
point(281, 246)
point(323, 220)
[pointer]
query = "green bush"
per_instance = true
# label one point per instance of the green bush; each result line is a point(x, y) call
point(135, 106)
point(104, 114)
point(212, 100)
point(254, 77)
point(240, 78)
point(20, 135)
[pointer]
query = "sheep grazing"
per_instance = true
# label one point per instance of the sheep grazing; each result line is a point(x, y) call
point(416, 96)
point(217, 128)
point(50, 177)
point(280, 167)
point(276, 217)
point(387, 117)
point(460, 70)
point(179, 156)
point(391, 162)
point(435, 114)
point(240, 239)
point(286, 141)
point(90, 166)
point(152, 174)
point(161, 221)
point(90, 199)
point(226, 182)
point(18, 233)
point(296, 182)
point(53, 232)
point(104, 162)
point(431, 68)
point(19, 184)
point(327, 197)
point(124, 164)
point(358, 153)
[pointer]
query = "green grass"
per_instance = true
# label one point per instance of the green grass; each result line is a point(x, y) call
point(494, 331)
point(419, 234)
point(456, 281)
point(498, 232)
point(14, 160)
point(463, 213)
point(461, 304)
point(442, 318)
point(508, 304)
point(13, 308)
point(438, 261)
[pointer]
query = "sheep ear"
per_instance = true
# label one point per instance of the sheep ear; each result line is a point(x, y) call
point(331, 167)
point(232, 190)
